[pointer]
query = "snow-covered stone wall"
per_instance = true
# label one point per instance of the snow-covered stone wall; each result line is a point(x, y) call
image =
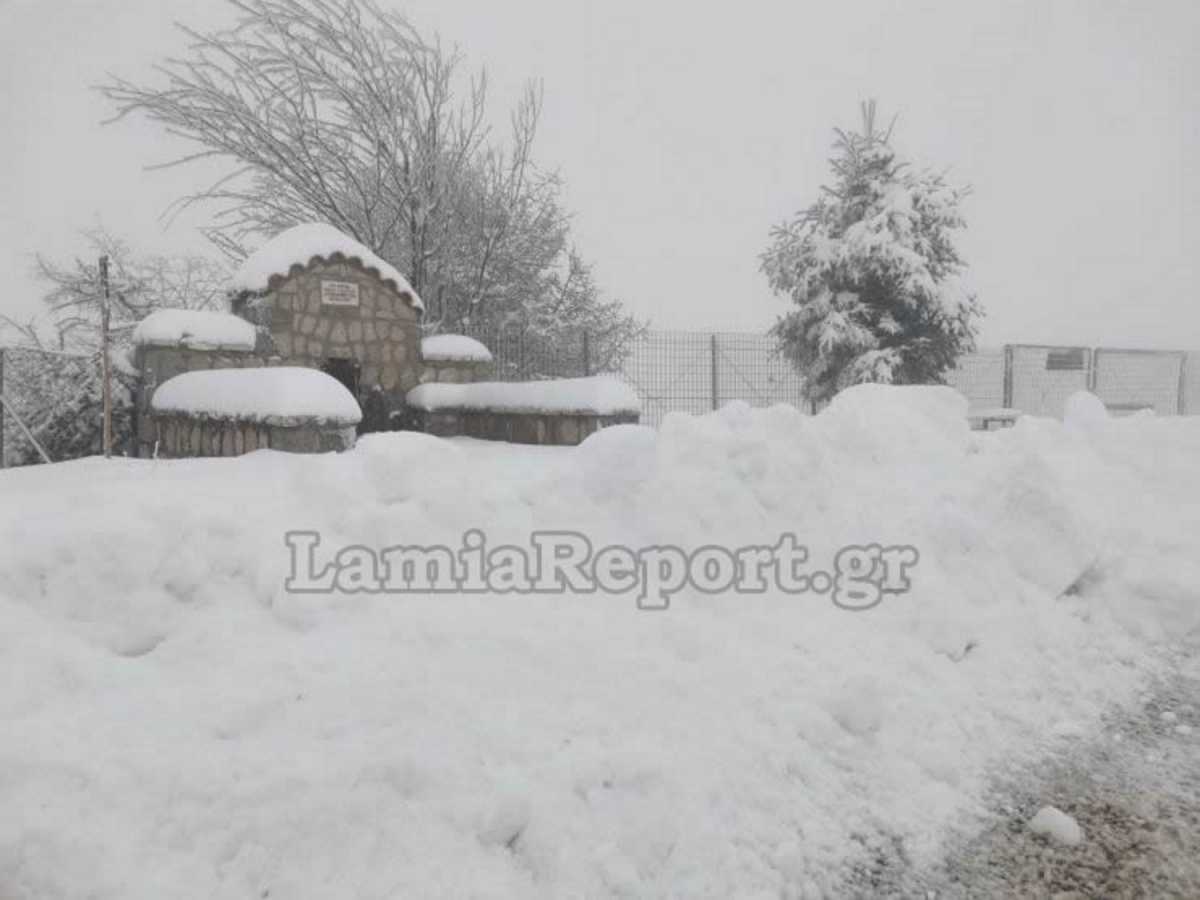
point(560, 411)
point(187, 436)
point(551, 429)
point(233, 411)
point(156, 365)
point(453, 359)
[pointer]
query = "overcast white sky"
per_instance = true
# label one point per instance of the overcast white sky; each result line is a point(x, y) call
point(685, 131)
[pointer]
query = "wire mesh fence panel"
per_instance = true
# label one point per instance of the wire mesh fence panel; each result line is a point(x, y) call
point(980, 378)
point(1042, 378)
point(520, 356)
point(695, 372)
point(1191, 384)
point(750, 369)
point(1132, 380)
point(672, 371)
point(54, 394)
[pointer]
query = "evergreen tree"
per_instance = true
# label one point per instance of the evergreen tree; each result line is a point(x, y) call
point(873, 272)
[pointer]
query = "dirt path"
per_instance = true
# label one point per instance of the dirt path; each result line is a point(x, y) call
point(1136, 793)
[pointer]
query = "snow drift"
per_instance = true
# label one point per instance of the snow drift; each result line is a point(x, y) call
point(603, 395)
point(454, 348)
point(196, 329)
point(276, 395)
point(173, 723)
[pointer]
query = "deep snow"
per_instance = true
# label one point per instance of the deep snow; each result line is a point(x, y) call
point(198, 329)
point(298, 245)
point(173, 723)
point(272, 394)
point(451, 347)
point(604, 395)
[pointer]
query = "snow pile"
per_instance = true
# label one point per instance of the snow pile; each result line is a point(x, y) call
point(194, 329)
point(454, 348)
point(602, 395)
point(298, 245)
point(284, 395)
point(1051, 822)
point(173, 722)
point(1085, 410)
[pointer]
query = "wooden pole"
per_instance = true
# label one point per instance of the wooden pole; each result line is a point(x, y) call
point(1, 408)
point(1007, 400)
point(1181, 395)
point(105, 360)
point(713, 362)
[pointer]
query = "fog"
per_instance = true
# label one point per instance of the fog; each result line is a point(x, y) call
point(684, 132)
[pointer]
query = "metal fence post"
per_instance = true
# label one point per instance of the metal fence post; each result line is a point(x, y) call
point(713, 345)
point(587, 354)
point(1008, 377)
point(1, 408)
point(1093, 375)
point(1181, 402)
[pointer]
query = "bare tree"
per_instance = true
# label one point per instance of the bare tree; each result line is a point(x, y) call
point(139, 285)
point(331, 111)
point(338, 111)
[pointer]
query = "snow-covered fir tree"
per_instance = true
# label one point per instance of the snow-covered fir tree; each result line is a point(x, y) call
point(873, 272)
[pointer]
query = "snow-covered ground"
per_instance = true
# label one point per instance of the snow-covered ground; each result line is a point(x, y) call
point(174, 723)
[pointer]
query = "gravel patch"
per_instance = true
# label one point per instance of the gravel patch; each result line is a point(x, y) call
point(1134, 790)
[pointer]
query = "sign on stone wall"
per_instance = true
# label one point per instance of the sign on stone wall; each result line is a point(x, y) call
point(339, 293)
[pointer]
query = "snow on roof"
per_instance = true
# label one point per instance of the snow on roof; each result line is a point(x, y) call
point(195, 329)
point(454, 347)
point(602, 395)
point(283, 395)
point(298, 245)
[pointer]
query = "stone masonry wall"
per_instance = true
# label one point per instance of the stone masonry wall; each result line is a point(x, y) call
point(158, 364)
point(380, 333)
point(456, 371)
point(187, 436)
point(551, 429)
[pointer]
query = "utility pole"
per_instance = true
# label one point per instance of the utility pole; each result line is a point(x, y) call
point(105, 361)
point(713, 363)
point(2, 407)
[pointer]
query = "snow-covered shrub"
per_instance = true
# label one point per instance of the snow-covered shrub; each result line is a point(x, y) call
point(59, 399)
point(873, 272)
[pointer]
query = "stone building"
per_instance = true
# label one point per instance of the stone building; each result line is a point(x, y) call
point(315, 299)
point(325, 301)
point(311, 297)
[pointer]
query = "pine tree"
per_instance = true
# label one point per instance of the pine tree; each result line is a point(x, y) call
point(873, 272)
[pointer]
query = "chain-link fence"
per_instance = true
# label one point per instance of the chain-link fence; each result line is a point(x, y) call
point(1140, 379)
point(683, 371)
point(49, 397)
point(694, 372)
point(980, 378)
point(521, 356)
point(672, 371)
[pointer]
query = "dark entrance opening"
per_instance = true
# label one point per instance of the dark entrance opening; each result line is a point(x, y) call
point(344, 370)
